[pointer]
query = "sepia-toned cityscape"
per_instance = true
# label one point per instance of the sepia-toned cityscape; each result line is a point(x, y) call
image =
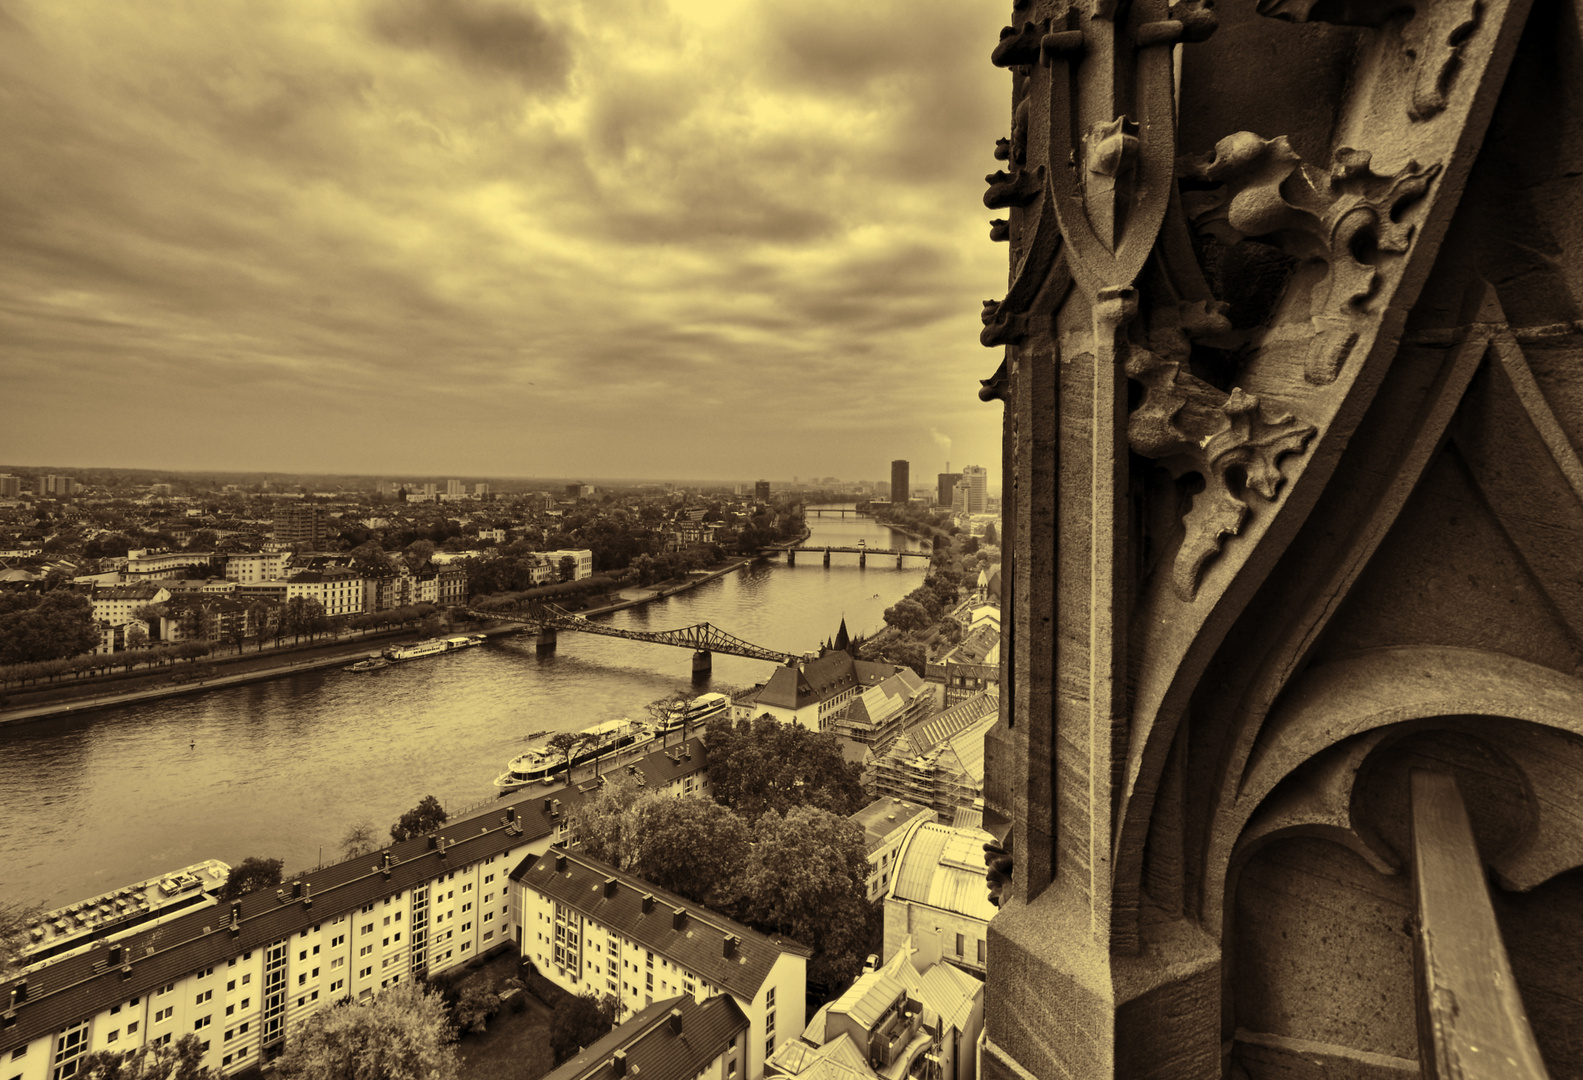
point(525, 550)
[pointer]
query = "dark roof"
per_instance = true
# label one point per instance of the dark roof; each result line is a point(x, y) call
point(820, 680)
point(79, 986)
point(699, 945)
point(653, 1050)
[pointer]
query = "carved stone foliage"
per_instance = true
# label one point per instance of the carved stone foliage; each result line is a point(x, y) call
point(1231, 440)
point(1357, 222)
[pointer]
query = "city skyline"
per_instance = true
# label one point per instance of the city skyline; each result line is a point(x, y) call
point(488, 237)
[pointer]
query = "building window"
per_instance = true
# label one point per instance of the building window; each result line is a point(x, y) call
point(981, 951)
point(200, 1023)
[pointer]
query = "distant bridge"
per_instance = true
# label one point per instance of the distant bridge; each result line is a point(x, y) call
point(862, 553)
point(705, 640)
point(834, 511)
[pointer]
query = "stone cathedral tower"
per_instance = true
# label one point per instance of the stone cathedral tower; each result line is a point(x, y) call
point(1290, 761)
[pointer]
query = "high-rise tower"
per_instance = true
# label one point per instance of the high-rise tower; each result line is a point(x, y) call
point(900, 489)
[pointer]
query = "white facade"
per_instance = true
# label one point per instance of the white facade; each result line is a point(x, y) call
point(257, 566)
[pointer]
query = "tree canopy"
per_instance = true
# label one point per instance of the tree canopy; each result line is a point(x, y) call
point(696, 848)
point(807, 876)
point(250, 875)
point(183, 1061)
point(402, 1034)
point(763, 764)
point(580, 1021)
point(427, 816)
point(53, 625)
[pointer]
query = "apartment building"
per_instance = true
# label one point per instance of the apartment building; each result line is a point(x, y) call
point(588, 926)
point(885, 823)
point(341, 591)
point(678, 1038)
point(242, 978)
point(248, 567)
point(115, 604)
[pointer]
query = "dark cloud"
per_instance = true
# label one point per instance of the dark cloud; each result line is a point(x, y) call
point(500, 38)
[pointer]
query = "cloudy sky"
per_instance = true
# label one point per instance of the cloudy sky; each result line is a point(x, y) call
point(696, 238)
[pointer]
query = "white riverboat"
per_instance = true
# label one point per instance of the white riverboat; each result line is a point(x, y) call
point(693, 715)
point(432, 647)
point(542, 763)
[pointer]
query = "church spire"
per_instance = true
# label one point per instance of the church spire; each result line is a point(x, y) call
point(842, 639)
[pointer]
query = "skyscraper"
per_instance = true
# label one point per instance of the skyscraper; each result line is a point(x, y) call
point(455, 487)
point(900, 484)
point(300, 524)
point(945, 488)
point(977, 480)
point(761, 491)
point(10, 486)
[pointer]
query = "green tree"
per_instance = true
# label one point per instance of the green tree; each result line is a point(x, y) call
point(474, 1008)
point(567, 568)
point(370, 560)
point(907, 616)
point(763, 764)
point(360, 838)
point(136, 635)
point(694, 847)
point(54, 626)
point(580, 1021)
point(424, 818)
point(251, 875)
point(807, 877)
point(600, 821)
point(565, 743)
point(183, 1061)
point(402, 1034)
point(909, 654)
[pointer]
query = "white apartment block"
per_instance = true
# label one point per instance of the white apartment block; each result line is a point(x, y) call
point(242, 979)
point(340, 591)
point(588, 926)
point(115, 604)
point(249, 567)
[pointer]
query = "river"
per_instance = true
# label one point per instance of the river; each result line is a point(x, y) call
point(280, 769)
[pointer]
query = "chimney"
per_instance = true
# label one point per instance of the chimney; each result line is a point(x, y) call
point(610, 887)
point(19, 993)
point(678, 918)
point(730, 946)
point(555, 808)
point(648, 902)
point(676, 1021)
point(547, 802)
point(442, 847)
point(384, 863)
point(560, 864)
point(296, 889)
point(618, 1063)
point(116, 952)
point(511, 814)
point(307, 894)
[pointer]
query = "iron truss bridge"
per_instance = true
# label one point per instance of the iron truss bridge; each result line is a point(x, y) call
point(856, 551)
point(702, 638)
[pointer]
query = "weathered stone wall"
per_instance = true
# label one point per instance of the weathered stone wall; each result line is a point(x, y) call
point(1294, 507)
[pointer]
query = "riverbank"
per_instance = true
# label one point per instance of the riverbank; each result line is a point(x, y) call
point(223, 671)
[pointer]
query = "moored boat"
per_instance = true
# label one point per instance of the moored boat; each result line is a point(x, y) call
point(372, 663)
point(692, 715)
point(542, 763)
point(433, 646)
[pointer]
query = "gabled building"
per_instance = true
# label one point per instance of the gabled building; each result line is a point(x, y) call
point(679, 1038)
point(813, 692)
point(939, 762)
point(590, 927)
point(114, 605)
point(875, 716)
